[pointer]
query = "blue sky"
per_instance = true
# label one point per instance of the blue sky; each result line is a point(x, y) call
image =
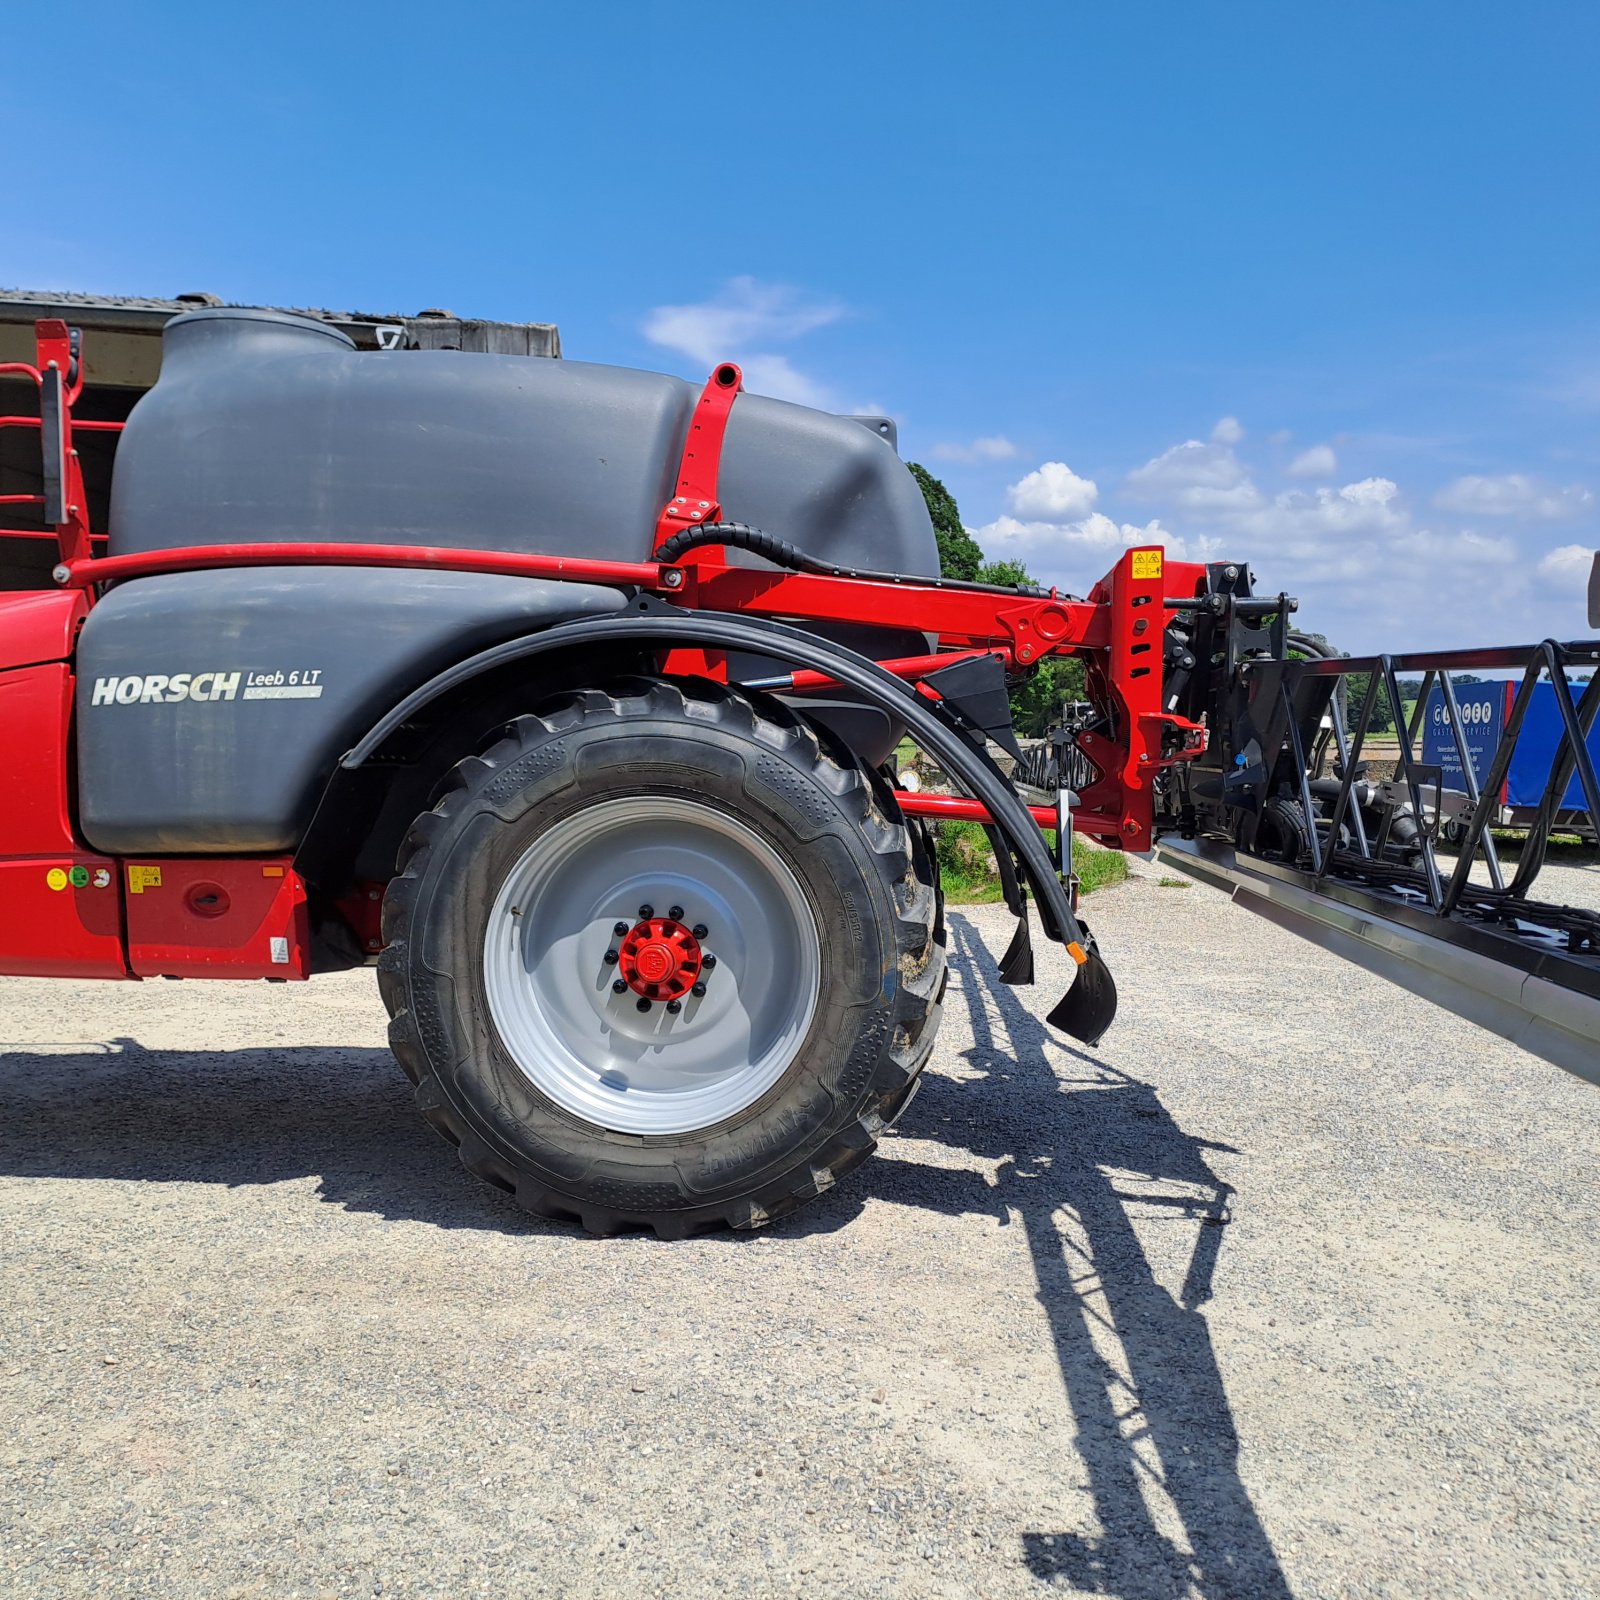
point(1313, 285)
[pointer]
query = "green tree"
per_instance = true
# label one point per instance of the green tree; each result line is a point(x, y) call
point(959, 555)
point(1036, 702)
point(1008, 574)
point(1037, 699)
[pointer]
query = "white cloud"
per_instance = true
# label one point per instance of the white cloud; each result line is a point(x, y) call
point(738, 323)
point(1565, 571)
point(1370, 492)
point(1513, 494)
point(1373, 568)
point(1366, 573)
point(1344, 536)
point(1227, 431)
point(1075, 553)
point(741, 314)
point(993, 447)
point(1053, 493)
point(1317, 462)
point(1196, 477)
point(1455, 550)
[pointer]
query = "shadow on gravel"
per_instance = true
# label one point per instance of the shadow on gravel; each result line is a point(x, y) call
point(1080, 1157)
point(343, 1116)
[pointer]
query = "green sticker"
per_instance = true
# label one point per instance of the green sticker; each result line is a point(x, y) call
point(79, 877)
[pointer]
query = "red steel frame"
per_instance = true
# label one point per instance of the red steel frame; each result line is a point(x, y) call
point(1119, 629)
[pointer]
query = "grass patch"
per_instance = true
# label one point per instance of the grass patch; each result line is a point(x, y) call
point(1097, 868)
point(963, 853)
point(1561, 847)
point(1173, 883)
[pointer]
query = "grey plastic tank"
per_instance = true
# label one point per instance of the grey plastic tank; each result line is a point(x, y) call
point(268, 427)
point(265, 426)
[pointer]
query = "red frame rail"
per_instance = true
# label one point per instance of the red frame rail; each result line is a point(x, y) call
point(1120, 628)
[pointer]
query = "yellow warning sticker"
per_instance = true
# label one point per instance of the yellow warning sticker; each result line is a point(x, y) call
point(142, 878)
point(1147, 563)
point(56, 877)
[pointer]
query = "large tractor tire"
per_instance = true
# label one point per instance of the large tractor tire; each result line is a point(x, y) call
point(661, 958)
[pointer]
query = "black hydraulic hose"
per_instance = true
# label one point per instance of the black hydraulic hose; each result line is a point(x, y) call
point(783, 553)
point(1306, 645)
point(1313, 647)
point(1328, 789)
point(743, 537)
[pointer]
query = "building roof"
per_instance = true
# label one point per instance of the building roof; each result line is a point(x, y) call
point(126, 349)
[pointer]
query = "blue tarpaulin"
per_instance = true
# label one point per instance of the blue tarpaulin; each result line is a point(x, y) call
point(1484, 708)
point(1536, 750)
point(1483, 719)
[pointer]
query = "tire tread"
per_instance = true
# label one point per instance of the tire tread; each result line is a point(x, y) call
point(903, 862)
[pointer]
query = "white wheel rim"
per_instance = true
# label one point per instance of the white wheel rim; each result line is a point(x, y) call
point(550, 988)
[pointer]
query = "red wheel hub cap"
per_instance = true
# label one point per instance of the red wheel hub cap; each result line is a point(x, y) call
point(660, 959)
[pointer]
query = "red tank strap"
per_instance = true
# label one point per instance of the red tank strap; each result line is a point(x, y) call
point(695, 501)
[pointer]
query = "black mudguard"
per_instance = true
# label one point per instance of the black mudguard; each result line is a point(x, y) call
point(1084, 1013)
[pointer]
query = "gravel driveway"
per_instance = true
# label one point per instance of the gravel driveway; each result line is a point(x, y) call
point(1289, 1288)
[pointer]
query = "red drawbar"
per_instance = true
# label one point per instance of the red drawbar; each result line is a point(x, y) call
point(217, 917)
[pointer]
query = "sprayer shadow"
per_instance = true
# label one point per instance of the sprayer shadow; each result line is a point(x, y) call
point(116, 1110)
point(1082, 1156)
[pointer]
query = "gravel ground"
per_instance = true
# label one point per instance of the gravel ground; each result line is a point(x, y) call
point(1287, 1289)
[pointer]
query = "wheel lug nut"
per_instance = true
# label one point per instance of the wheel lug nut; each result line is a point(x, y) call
point(674, 1006)
point(644, 1005)
point(709, 962)
point(675, 912)
point(699, 930)
point(621, 930)
point(611, 958)
point(646, 911)
point(619, 986)
point(698, 990)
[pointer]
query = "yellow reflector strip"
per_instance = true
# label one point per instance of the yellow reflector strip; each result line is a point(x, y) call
point(1078, 953)
point(272, 872)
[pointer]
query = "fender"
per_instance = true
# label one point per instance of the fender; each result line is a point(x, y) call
point(650, 622)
